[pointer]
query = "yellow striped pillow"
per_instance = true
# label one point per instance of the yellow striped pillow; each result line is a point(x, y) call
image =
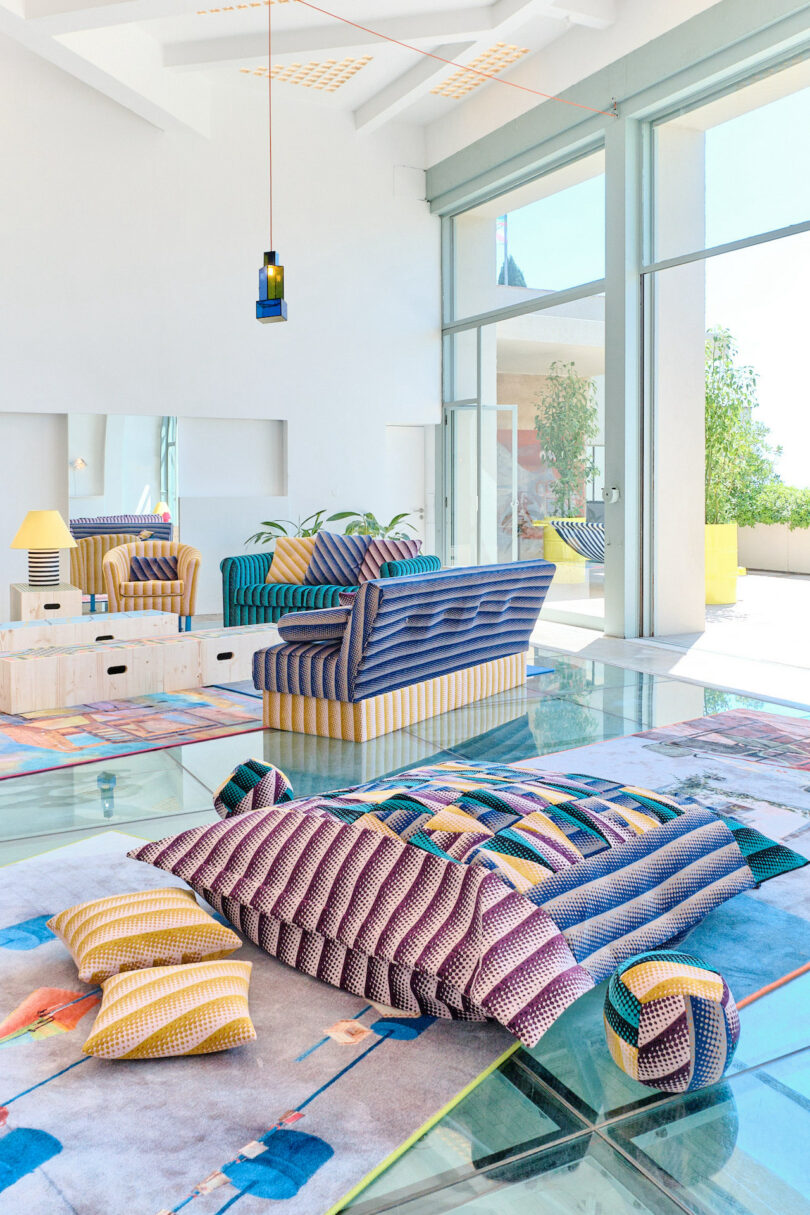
point(291, 558)
point(147, 928)
point(173, 1010)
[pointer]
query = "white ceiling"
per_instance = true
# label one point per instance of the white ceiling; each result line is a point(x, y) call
point(163, 58)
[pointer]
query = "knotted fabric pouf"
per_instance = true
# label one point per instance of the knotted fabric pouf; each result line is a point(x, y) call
point(670, 1021)
point(254, 785)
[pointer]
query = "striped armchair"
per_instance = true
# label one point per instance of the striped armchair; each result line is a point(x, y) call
point(178, 595)
point(86, 559)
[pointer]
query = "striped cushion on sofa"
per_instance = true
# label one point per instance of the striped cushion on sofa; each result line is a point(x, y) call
point(381, 550)
point(291, 558)
point(326, 625)
point(336, 560)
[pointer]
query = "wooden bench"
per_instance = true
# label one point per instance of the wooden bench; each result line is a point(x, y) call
point(20, 635)
point(50, 677)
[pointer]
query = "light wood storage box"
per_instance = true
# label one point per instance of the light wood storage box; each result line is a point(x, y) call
point(41, 602)
point(56, 676)
point(83, 630)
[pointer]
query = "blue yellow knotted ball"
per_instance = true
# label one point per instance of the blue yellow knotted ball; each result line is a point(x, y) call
point(670, 1021)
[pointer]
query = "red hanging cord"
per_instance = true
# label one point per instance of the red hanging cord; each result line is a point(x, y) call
point(451, 63)
point(270, 112)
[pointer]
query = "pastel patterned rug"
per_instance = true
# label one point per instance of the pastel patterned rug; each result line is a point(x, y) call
point(56, 738)
point(287, 1125)
point(750, 765)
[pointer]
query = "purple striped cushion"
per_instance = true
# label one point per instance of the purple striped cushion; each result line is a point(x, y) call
point(380, 551)
point(153, 569)
point(379, 917)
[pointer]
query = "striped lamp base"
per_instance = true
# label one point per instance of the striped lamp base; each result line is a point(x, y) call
point(43, 567)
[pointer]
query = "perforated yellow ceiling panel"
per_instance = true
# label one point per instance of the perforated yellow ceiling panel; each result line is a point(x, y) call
point(328, 75)
point(499, 57)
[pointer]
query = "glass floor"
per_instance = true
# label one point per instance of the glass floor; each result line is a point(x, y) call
point(558, 1128)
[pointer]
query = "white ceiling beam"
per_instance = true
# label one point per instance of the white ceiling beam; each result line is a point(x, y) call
point(504, 18)
point(164, 109)
point(461, 24)
point(406, 89)
point(598, 14)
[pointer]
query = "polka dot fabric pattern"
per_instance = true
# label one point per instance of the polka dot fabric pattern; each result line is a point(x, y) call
point(166, 1011)
point(131, 931)
point(670, 1021)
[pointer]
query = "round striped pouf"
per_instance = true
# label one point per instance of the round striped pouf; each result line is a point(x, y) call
point(670, 1021)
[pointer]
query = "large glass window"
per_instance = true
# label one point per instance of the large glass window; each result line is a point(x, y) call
point(731, 492)
point(735, 167)
point(546, 236)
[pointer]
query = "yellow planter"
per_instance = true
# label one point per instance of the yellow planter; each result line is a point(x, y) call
point(555, 549)
point(721, 563)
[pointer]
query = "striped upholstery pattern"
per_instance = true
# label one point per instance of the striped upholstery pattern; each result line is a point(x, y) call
point(648, 891)
point(336, 560)
point(179, 596)
point(251, 786)
point(671, 1021)
point(327, 624)
point(426, 935)
point(86, 560)
point(586, 539)
point(247, 597)
point(153, 569)
point(103, 525)
point(360, 721)
point(148, 928)
point(173, 1010)
point(422, 564)
point(407, 630)
point(291, 558)
point(381, 550)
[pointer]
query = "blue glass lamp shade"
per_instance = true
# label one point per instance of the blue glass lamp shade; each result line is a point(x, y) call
point(271, 305)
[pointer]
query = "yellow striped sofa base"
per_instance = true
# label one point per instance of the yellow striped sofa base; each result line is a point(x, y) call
point(366, 719)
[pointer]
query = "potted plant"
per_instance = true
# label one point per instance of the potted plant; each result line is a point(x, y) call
point(565, 422)
point(739, 461)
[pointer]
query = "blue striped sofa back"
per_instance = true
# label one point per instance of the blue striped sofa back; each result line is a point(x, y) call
point(404, 630)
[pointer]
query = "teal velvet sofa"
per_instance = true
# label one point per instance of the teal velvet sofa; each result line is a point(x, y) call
point(247, 598)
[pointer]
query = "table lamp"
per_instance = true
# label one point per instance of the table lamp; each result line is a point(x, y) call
point(43, 533)
point(162, 508)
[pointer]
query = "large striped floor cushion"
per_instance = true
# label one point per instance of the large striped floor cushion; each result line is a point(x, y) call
point(463, 890)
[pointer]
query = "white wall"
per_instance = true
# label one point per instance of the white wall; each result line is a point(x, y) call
point(34, 455)
point(130, 264)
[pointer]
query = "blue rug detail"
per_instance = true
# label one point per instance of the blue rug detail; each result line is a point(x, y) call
point(530, 670)
point(22, 1151)
point(28, 934)
point(287, 1164)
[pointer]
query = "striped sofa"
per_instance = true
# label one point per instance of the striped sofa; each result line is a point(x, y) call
point(248, 598)
point(414, 647)
point(178, 595)
point(132, 525)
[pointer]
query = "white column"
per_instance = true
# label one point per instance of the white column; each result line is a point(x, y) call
point(679, 387)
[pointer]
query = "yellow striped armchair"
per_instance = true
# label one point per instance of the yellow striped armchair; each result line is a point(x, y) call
point(86, 559)
point(177, 595)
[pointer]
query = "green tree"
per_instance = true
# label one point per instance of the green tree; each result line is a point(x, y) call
point(565, 422)
point(511, 274)
point(740, 462)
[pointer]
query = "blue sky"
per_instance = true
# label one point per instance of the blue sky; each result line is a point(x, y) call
point(757, 178)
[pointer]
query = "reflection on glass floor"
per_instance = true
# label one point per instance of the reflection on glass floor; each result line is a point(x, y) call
point(558, 1128)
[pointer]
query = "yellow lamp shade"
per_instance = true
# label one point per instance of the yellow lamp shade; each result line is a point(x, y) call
point(43, 530)
point(161, 508)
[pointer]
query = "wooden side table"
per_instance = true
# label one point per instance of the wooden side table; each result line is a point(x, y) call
point(43, 602)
